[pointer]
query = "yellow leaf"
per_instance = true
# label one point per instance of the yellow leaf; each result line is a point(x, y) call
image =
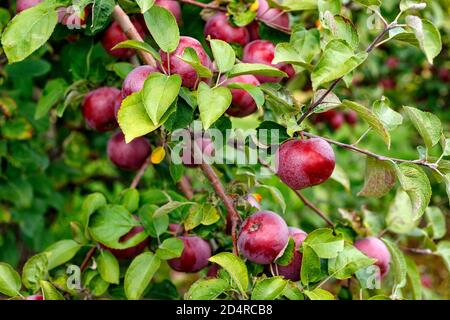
point(255, 5)
point(158, 155)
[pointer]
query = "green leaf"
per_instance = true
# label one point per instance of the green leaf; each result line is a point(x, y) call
point(138, 45)
point(368, 3)
point(340, 176)
point(269, 289)
point(17, 129)
point(319, 294)
point(98, 286)
point(169, 207)
point(10, 282)
point(255, 69)
point(391, 119)
point(443, 249)
point(52, 93)
point(342, 28)
point(380, 177)
point(155, 225)
point(306, 42)
point(413, 278)
point(224, 55)
point(133, 118)
point(398, 264)
point(276, 194)
point(28, 31)
point(219, 97)
point(427, 35)
point(101, 11)
point(206, 289)
point(256, 93)
point(412, 5)
point(139, 274)
point(348, 262)
point(210, 215)
point(190, 57)
point(400, 218)
point(372, 120)
point(145, 4)
point(330, 101)
point(235, 267)
point(311, 269)
point(288, 53)
point(50, 292)
point(436, 222)
point(324, 243)
point(415, 182)
point(122, 69)
point(35, 270)
point(288, 254)
point(295, 5)
point(129, 198)
point(447, 185)
point(61, 252)
point(158, 94)
point(163, 27)
point(108, 267)
point(427, 124)
point(110, 223)
point(91, 203)
point(337, 60)
point(170, 248)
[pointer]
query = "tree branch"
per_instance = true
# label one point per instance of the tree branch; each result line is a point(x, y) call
point(185, 187)
point(140, 173)
point(88, 257)
point(128, 28)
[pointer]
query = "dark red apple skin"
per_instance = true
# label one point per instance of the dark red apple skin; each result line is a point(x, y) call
point(189, 157)
point(194, 257)
point(98, 108)
point(22, 5)
point(392, 62)
point(337, 121)
point(129, 253)
point(272, 16)
point(376, 249)
point(253, 31)
point(262, 237)
point(305, 163)
point(242, 104)
point(444, 75)
point(292, 270)
point(178, 66)
point(35, 297)
point(128, 156)
point(117, 106)
point(351, 117)
point(263, 51)
point(134, 81)
point(114, 35)
point(219, 27)
point(213, 271)
point(173, 7)
point(388, 83)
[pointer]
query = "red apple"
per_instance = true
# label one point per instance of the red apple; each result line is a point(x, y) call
point(98, 108)
point(129, 253)
point(134, 81)
point(22, 5)
point(292, 270)
point(243, 103)
point(35, 297)
point(128, 156)
point(272, 16)
point(114, 35)
point(376, 249)
point(173, 7)
point(219, 27)
point(194, 257)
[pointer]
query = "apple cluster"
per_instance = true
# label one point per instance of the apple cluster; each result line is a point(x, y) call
point(335, 119)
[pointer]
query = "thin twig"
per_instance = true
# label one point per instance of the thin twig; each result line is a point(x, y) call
point(185, 187)
point(137, 178)
point(128, 28)
point(88, 257)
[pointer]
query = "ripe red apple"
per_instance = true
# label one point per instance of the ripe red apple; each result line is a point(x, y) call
point(194, 257)
point(98, 108)
point(388, 83)
point(128, 156)
point(292, 270)
point(35, 297)
point(272, 16)
point(243, 103)
point(173, 7)
point(117, 105)
point(376, 249)
point(114, 35)
point(263, 236)
point(351, 117)
point(187, 73)
point(444, 75)
point(305, 163)
point(263, 51)
point(176, 228)
point(191, 156)
point(134, 81)
point(213, 271)
point(337, 121)
point(326, 116)
point(253, 30)
point(219, 27)
point(124, 254)
point(22, 5)
point(392, 62)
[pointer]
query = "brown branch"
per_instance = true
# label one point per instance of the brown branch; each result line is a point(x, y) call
point(128, 28)
point(316, 103)
point(137, 178)
point(88, 257)
point(423, 163)
point(185, 187)
point(220, 191)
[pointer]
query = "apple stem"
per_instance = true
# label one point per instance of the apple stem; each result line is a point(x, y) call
point(137, 178)
point(128, 28)
point(220, 191)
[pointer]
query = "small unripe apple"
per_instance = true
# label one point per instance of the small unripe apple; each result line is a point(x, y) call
point(178, 66)
point(305, 163)
point(219, 27)
point(272, 16)
point(128, 156)
point(191, 156)
point(194, 257)
point(263, 236)
point(114, 35)
point(292, 270)
point(173, 7)
point(242, 104)
point(134, 81)
point(128, 253)
point(35, 297)
point(376, 249)
point(98, 108)
point(263, 51)
point(22, 5)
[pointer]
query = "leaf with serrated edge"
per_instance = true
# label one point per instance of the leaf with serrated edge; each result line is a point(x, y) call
point(380, 177)
point(427, 124)
point(139, 274)
point(235, 267)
